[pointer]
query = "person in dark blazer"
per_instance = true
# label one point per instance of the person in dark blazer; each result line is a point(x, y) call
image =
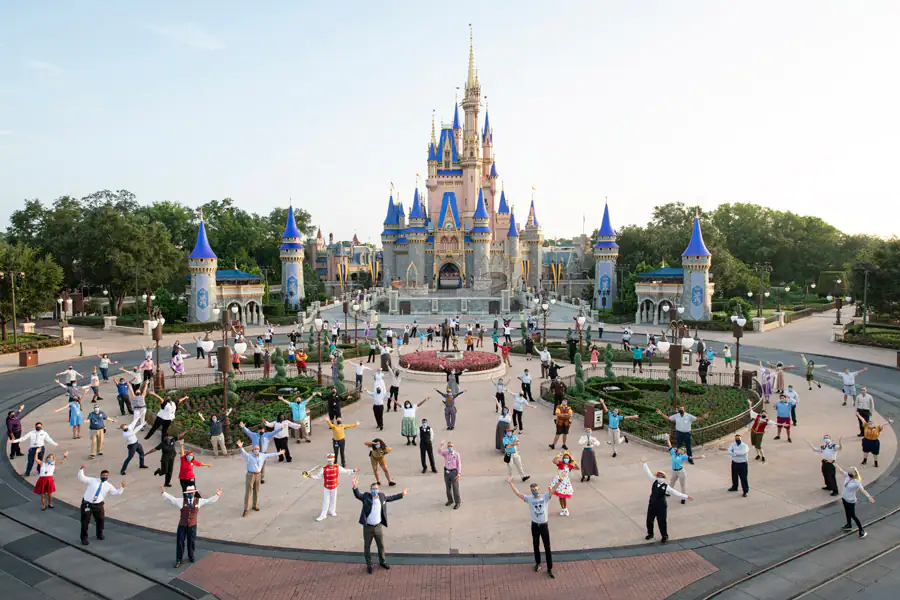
point(373, 518)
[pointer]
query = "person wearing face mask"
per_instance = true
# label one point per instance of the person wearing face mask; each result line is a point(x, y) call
point(449, 401)
point(864, 404)
point(36, 439)
point(452, 473)
point(453, 378)
point(330, 473)
point(504, 422)
point(93, 501)
point(540, 528)
point(408, 424)
point(377, 452)
point(738, 452)
point(658, 507)
point(45, 485)
point(138, 403)
point(615, 433)
point(14, 431)
point(165, 416)
point(588, 444)
point(394, 391)
point(683, 421)
point(216, 432)
point(97, 420)
point(255, 461)
point(499, 392)
point(186, 468)
point(260, 438)
point(338, 436)
point(829, 451)
point(76, 415)
point(783, 416)
point(852, 485)
point(189, 505)
point(511, 454)
point(333, 403)
point(758, 424)
point(563, 419)
point(678, 457)
point(870, 442)
point(281, 436)
point(794, 400)
point(565, 464)
point(129, 432)
point(378, 396)
point(373, 518)
point(166, 447)
point(425, 446)
point(558, 389)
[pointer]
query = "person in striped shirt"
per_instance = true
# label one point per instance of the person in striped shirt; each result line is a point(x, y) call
point(330, 473)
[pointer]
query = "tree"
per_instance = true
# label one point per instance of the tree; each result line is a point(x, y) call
point(378, 333)
point(579, 373)
point(313, 287)
point(35, 290)
point(280, 370)
point(608, 362)
point(339, 374)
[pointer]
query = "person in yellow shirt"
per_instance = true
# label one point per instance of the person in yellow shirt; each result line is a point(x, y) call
point(337, 435)
point(870, 441)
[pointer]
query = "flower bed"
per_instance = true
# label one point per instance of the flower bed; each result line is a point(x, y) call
point(429, 362)
point(31, 342)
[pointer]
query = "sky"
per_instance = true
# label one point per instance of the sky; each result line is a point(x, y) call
point(790, 105)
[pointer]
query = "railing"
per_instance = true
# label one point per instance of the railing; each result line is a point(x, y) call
point(656, 434)
point(194, 380)
point(771, 319)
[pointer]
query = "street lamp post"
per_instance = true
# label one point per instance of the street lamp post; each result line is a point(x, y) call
point(223, 358)
point(159, 378)
point(318, 323)
point(12, 285)
point(778, 296)
point(682, 341)
point(356, 308)
point(580, 320)
point(761, 268)
point(806, 293)
point(838, 301)
point(545, 307)
point(737, 330)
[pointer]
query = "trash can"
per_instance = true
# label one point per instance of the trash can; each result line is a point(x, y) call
point(28, 358)
point(747, 379)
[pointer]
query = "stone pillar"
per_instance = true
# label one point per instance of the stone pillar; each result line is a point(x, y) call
point(108, 323)
point(68, 334)
point(29, 327)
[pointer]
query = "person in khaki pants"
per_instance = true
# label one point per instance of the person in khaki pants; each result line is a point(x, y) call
point(216, 434)
point(97, 419)
point(255, 460)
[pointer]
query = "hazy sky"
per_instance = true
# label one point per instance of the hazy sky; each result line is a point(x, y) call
point(792, 104)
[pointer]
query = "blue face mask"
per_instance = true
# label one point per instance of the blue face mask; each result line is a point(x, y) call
point(374, 493)
point(565, 460)
point(103, 479)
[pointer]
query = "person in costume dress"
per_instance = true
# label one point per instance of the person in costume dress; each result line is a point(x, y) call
point(45, 486)
point(76, 415)
point(408, 427)
point(588, 443)
point(565, 464)
point(779, 375)
point(766, 381)
point(504, 422)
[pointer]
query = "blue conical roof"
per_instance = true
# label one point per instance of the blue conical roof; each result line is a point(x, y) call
point(432, 152)
point(504, 207)
point(487, 125)
point(513, 231)
point(533, 215)
point(493, 169)
point(606, 229)
point(455, 116)
point(290, 228)
point(416, 211)
point(202, 248)
point(481, 210)
point(392, 217)
point(696, 247)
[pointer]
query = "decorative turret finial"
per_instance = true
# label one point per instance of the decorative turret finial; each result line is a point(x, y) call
point(433, 138)
point(472, 80)
point(201, 213)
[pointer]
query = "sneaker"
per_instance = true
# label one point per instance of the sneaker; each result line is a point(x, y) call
point(757, 457)
point(777, 437)
point(424, 469)
point(864, 461)
point(744, 495)
point(683, 501)
point(847, 527)
point(649, 536)
point(790, 441)
point(734, 489)
point(564, 447)
point(321, 518)
point(664, 539)
point(550, 573)
point(862, 534)
point(449, 502)
point(859, 435)
point(614, 455)
point(625, 438)
point(369, 569)
point(552, 446)
point(526, 478)
point(764, 459)
point(876, 463)
point(537, 568)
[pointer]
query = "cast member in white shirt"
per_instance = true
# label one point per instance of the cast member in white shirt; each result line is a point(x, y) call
point(499, 392)
point(92, 501)
point(792, 395)
point(738, 452)
point(545, 362)
point(683, 437)
point(373, 518)
point(525, 378)
point(658, 506)
point(165, 416)
point(71, 375)
point(852, 485)
point(129, 432)
point(281, 436)
point(865, 406)
point(36, 439)
point(394, 391)
point(45, 485)
point(360, 371)
point(848, 378)
point(189, 505)
point(378, 405)
point(829, 451)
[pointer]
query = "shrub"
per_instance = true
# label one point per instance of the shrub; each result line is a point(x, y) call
point(608, 354)
point(579, 373)
point(280, 371)
point(339, 375)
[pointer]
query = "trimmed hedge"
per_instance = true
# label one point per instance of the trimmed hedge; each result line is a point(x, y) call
point(45, 341)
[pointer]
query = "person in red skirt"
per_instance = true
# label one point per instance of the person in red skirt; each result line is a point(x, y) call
point(45, 485)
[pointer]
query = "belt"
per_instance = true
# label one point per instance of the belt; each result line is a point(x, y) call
point(681, 469)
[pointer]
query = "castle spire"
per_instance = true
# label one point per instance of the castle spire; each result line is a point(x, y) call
point(433, 138)
point(202, 248)
point(606, 229)
point(696, 247)
point(472, 79)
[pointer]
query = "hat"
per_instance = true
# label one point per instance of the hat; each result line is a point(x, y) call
point(661, 474)
point(330, 456)
point(191, 489)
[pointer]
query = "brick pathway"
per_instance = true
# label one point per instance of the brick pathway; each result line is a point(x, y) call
point(233, 577)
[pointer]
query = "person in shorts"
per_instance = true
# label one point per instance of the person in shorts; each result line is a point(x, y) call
point(783, 416)
point(563, 418)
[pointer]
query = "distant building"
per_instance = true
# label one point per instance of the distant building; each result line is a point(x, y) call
point(352, 258)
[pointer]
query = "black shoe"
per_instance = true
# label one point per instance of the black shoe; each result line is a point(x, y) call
point(876, 463)
point(385, 566)
point(177, 564)
point(744, 495)
point(862, 534)
point(664, 539)
point(455, 506)
point(582, 479)
point(690, 461)
point(564, 447)
point(433, 470)
point(683, 501)
point(122, 473)
point(392, 483)
point(369, 569)
point(550, 573)
point(100, 454)
point(552, 446)
point(414, 442)
point(835, 494)
point(407, 442)
point(764, 459)
point(826, 488)
point(649, 536)
point(424, 469)
point(143, 467)
point(864, 461)
point(757, 457)
point(614, 454)
point(625, 438)
point(734, 489)
point(100, 537)
point(168, 485)
point(84, 542)
point(777, 437)
point(449, 502)
point(156, 472)
point(847, 527)
point(191, 558)
point(526, 478)
point(859, 435)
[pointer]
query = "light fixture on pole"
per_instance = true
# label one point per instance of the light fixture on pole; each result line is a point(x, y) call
point(681, 340)
point(356, 308)
point(318, 323)
point(737, 330)
point(580, 320)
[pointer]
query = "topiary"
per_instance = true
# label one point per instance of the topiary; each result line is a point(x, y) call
point(311, 340)
point(569, 334)
point(579, 373)
point(608, 362)
point(523, 329)
point(379, 335)
point(587, 337)
point(280, 371)
point(339, 375)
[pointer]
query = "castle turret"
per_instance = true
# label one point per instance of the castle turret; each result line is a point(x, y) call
point(470, 158)
point(501, 219)
point(606, 253)
point(511, 249)
point(533, 240)
point(416, 235)
point(291, 253)
point(203, 263)
point(697, 291)
point(487, 147)
point(388, 235)
point(481, 239)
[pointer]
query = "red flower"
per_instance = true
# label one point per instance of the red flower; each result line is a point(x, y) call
point(429, 362)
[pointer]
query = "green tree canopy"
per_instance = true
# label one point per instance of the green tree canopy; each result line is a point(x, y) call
point(37, 280)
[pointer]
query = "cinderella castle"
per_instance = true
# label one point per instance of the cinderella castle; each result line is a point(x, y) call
point(461, 232)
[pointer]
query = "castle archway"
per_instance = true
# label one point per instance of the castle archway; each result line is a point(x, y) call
point(449, 277)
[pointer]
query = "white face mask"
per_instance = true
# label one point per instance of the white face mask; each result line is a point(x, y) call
point(660, 480)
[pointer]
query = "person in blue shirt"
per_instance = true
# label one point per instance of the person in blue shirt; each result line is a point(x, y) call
point(300, 415)
point(679, 457)
point(511, 454)
point(260, 438)
point(637, 354)
point(783, 415)
point(122, 388)
point(615, 435)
